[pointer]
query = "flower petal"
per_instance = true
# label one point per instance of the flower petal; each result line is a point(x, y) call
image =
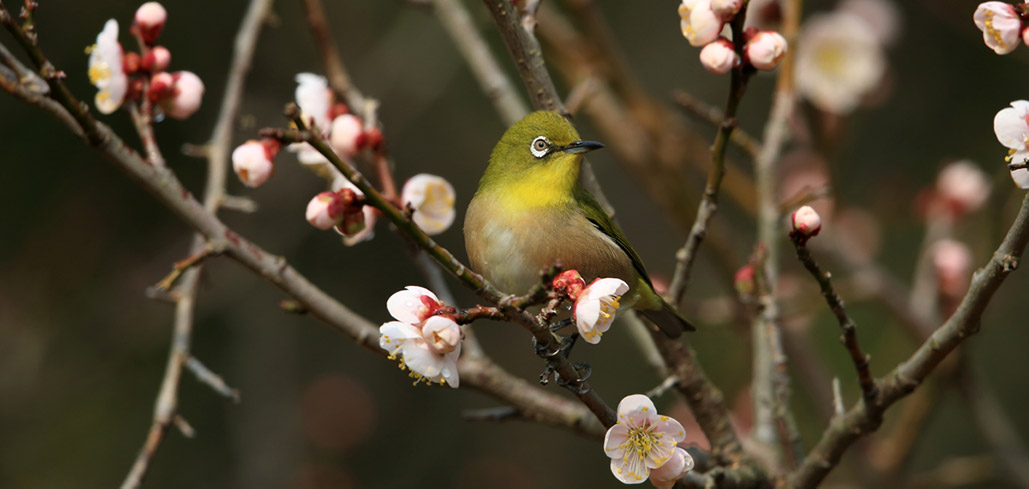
point(1010, 125)
point(615, 439)
point(671, 428)
point(394, 334)
point(421, 359)
point(1021, 177)
point(678, 465)
point(629, 469)
point(635, 408)
point(405, 304)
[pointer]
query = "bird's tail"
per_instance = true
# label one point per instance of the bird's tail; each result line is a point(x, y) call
point(668, 319)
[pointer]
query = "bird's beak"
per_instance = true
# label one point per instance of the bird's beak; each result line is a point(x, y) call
point(582, 147)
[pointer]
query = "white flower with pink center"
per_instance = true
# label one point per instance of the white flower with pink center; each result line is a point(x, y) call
point(1001, 25)
point(1011, 125)
point(426, 343)
point(643, 442)
point(700, 25)
point(106, 71)
point(596, 306)
point(432, 199)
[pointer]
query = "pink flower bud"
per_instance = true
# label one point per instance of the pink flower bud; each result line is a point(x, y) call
point(569, 282)
point(130, 63)
point(157, 59)
point(187, 93)
point(963, 187)
point(952, 261)
point(150, 18)
point(441, 334)
point(374, 139)
point(765, 49)
point(726, 9)
point(347, 135)
point(745, 280)
point(353, 222)
point(325, 210)
point(253, 161)
point(719, 57)
point(161, 86)
point(806, 222)
point(1001, 25)
point(1025, 36)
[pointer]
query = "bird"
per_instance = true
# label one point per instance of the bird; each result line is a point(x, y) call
point(530, 212)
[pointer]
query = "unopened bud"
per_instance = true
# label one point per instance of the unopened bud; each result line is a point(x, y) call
point(157, 59)
point(953, 263)
point(253, 162)
point(719, 57)
point(726, 9)
point(745, 280)
point(325, 210)
point(347, 135)
point(569, 282)
point(338, 109)
point(806, 222)
point(130, 63)
point(764, 49)
point(160, 86)
point(187, 93)
point(150, 18)
point(374, 139)
point(353, 222)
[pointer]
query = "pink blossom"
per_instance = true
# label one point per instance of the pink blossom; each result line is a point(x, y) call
point(806, 222)
point(726, 9)
point(765, 49)
point(1001, 25)
point(186, 94)
point(963, 186)
point(1011, 125)
point(953, 263)
point(157, 59)
point(719, 57)
point(253, 161)
point(595, 308)
point(149, 22)
point(325, 210)
point(432, 199)
point(347, 135)
point(700, 25)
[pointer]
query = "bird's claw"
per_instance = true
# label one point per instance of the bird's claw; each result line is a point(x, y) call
point(577, 385)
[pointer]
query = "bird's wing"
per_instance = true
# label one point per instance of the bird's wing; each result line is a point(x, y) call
point(599, 218)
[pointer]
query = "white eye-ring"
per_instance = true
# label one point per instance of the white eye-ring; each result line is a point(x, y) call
point(540, 146)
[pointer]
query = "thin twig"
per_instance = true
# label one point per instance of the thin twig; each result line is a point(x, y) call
point(709, 201)
point(857, 356)
point(866, 416)
point(713, 116)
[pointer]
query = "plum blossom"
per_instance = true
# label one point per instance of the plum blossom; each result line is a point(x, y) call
point(325, 210)
point(187, 92)
point(314, 98)
point(953, 263)
point(347, 135)
point(106, 70)
point(643, 442)
point(700, 25)
point(726, 9)
point(432, 199)
point(156, 60)
point(719, 57)
point(882, 17)
point(595, 308)
point(1001, 25)
point(839, 61)
point(426, 343)
point(1011, 125)
point(569, 282)
point(253, 161)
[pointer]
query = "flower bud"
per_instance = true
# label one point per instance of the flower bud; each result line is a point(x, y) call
point(161, 86)
point(150, 18)
point(157, 59)
point(719, 57)
point(1001, 25)
point(764, 49)
point(698, 22)
point(442, 334)
point(953, 262)
point(338, 109)
point(745, 280)
point(187, 93)
point(130, 63)
point(347, 135)
point(253, 161)
point(806, 222)
point(726, 9)
point(570, 283)
point(374, 139)
point(325, 210)
point(354, 221)
point(963, 187)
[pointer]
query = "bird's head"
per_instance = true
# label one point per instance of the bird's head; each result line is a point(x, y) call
point(543, 149)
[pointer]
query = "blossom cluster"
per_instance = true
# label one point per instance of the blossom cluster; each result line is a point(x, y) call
point(121, 76)
point(1002, 24)
point(430, 198)
point(702, 23)
point(425, 341)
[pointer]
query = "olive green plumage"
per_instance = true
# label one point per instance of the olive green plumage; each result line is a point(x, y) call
point(530, 212)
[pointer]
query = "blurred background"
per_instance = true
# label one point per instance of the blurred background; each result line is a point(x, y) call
point(82, 350)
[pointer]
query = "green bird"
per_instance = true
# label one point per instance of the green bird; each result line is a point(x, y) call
point(531, 212)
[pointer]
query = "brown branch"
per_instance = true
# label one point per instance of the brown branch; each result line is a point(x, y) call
point(709, 201)
point(492, 79)
point(866, 416)
point(714, 117)
point(849, 338)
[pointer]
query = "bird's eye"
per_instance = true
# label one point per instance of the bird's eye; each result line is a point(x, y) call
point(540, 146)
